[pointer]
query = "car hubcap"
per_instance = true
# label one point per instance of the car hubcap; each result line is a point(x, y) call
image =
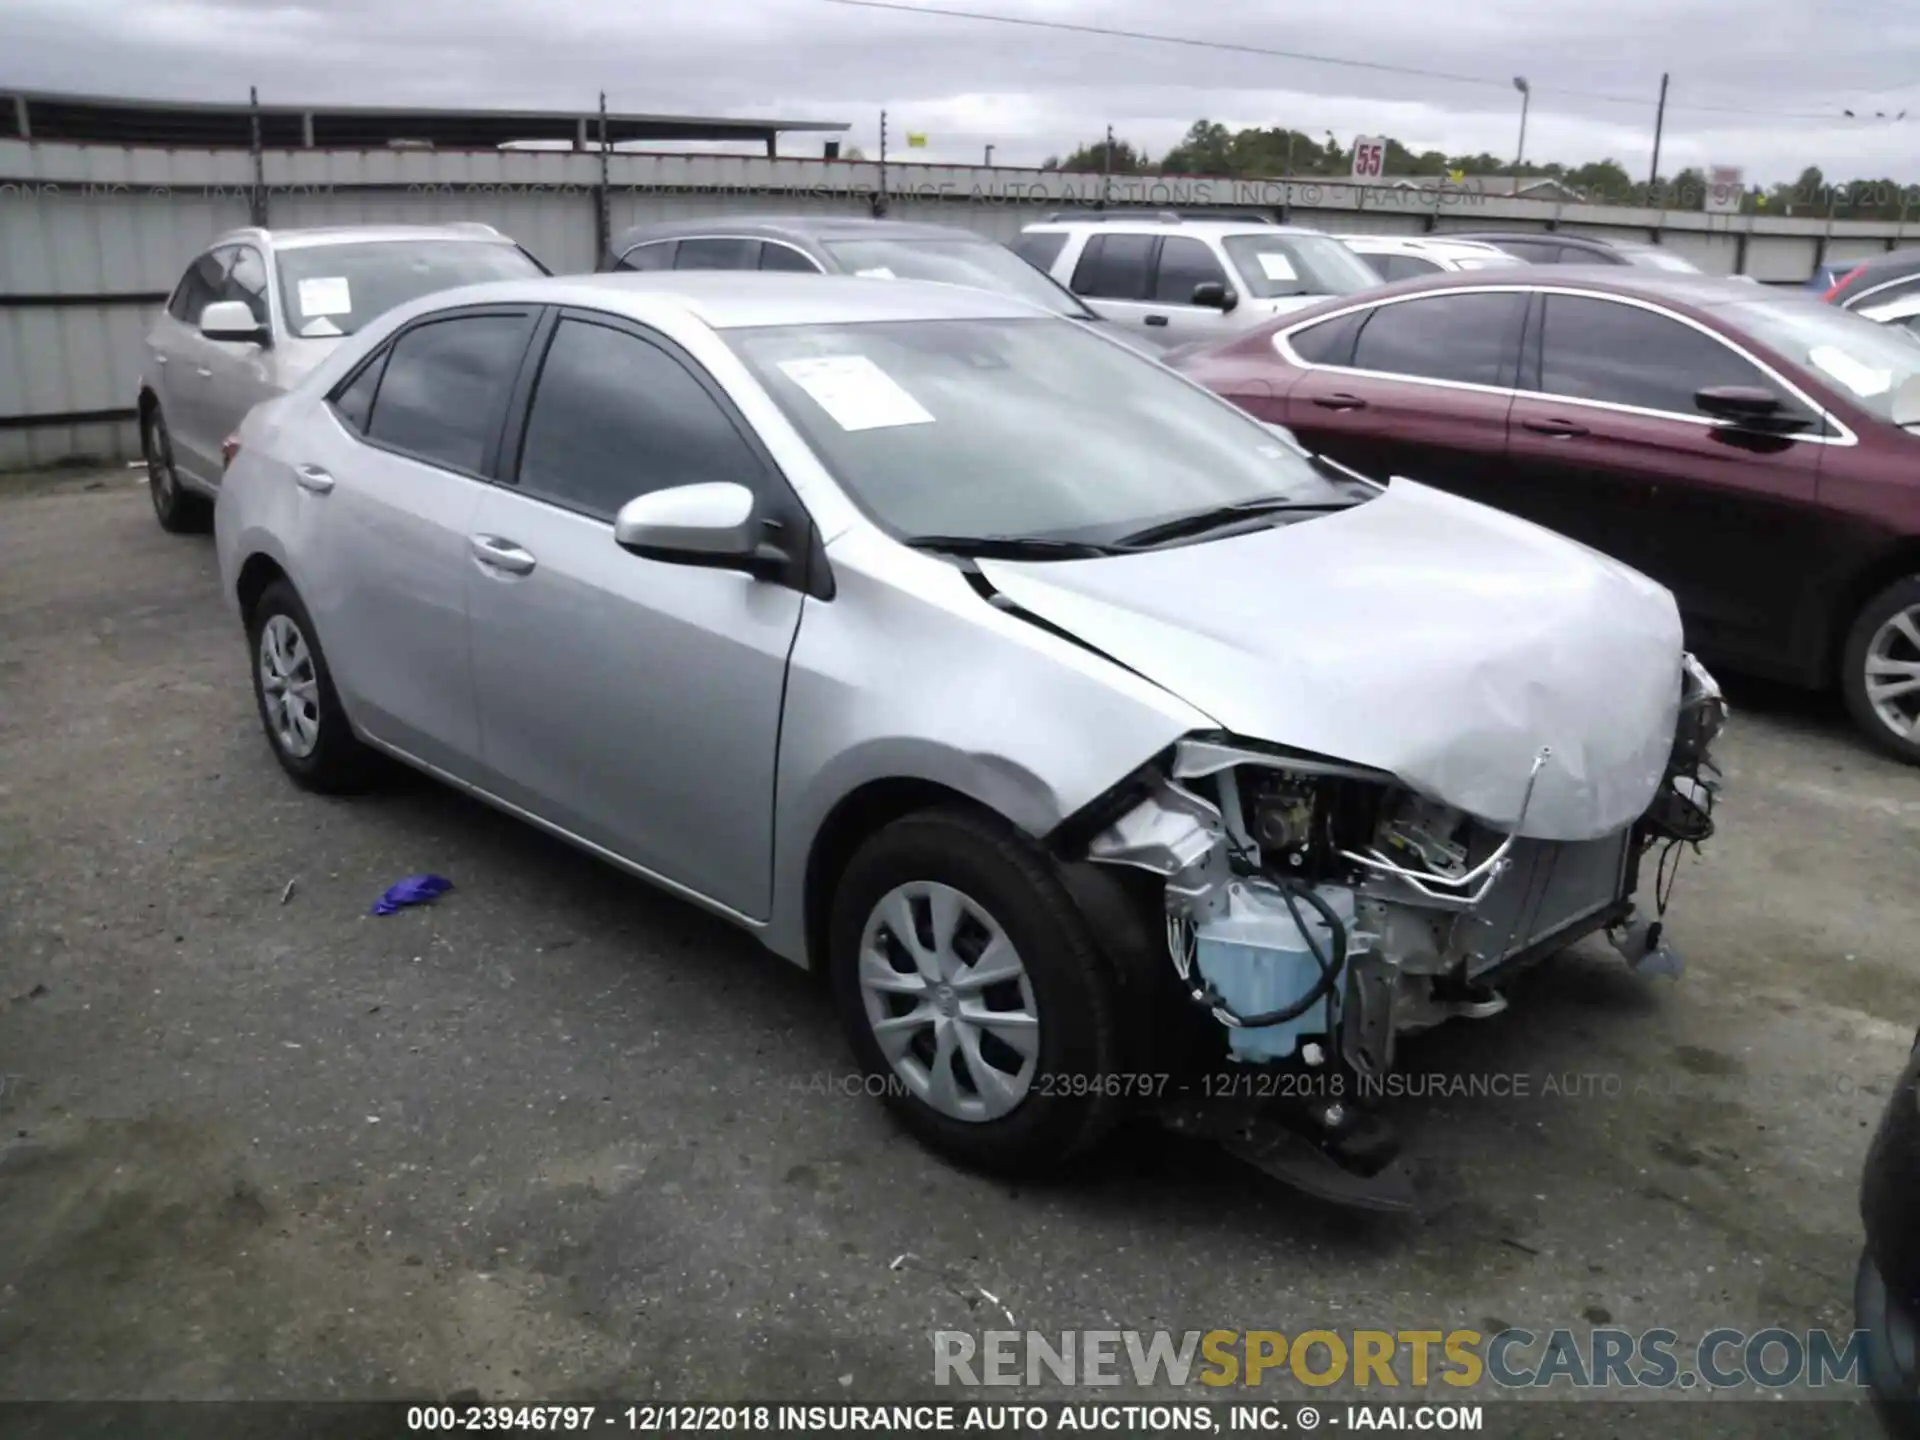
point(160, 479)
point(289, 688)
point(949, 1001)
point(1893, 673)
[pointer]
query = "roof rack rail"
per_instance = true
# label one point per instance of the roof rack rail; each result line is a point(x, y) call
point(1169, 217)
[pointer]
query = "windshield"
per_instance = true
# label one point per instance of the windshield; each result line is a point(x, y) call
point(978, 263)
point(329, 290)
point(1284, 264)
point(1017, 428)
point(1867, 362)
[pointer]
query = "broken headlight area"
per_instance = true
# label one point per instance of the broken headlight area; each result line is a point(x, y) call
point(1319, 910)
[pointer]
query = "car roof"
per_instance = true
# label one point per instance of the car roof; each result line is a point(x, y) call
point(739, 299)
point(352, 234)
point(1542, 237)
point(1672, 286)
point(1151, 226)
point(800, 228)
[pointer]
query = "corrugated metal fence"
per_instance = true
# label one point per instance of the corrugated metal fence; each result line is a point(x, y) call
point(94, 237)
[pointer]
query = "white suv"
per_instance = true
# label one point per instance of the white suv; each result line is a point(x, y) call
point(1404, 257)
point(1190, 280)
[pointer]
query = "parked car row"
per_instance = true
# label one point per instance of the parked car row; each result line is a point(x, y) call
point(470, 514)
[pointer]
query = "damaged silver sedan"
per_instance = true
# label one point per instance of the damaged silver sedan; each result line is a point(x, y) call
point(1086, 733)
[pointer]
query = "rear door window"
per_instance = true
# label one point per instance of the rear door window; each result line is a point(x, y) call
point(1473, 339)
point(1115, 267)
point(1593, 349)
point(1331, 341)
point(444, 392)
point(1401, 267)
point(713, 252)
point(1185, 263)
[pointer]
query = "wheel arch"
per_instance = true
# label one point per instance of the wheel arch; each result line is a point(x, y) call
point(257, 572)
point(145, 408)
point(1894, 564)
point(860, 814)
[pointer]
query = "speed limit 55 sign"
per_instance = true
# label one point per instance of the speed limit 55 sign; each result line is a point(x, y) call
point(1369, 157)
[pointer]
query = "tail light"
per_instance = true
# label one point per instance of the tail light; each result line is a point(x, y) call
point(229, 448)
point(1842, 283)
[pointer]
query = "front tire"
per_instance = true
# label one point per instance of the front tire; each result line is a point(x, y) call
point(975, 995)
point(299, 707)
point(1881, 670)
point(179, 510)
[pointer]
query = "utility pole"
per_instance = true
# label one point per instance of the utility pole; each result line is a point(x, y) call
point(602, 211)
point(880, 198)
point(1659, 123)
point(1526, 95)
point(1106, 172)
point(989, 159)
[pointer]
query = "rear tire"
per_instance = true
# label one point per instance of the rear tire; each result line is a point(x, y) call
point(1880, 670)
point(299, 707)
point(1016, 1097)
point(179, 510)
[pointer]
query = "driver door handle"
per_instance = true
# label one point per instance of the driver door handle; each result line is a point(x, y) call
point(204, 372)
point(312, 477)
point(1156, 319)
point(498, 554)
point(1558, 429)
point(1340, 400)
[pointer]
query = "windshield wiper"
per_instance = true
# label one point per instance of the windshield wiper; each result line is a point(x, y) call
point(1008, 547)
point(1180, 527)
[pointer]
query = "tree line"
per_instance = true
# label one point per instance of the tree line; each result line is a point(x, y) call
point(1210, 148)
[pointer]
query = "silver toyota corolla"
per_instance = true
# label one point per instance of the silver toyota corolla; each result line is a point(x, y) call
point(1073, 723)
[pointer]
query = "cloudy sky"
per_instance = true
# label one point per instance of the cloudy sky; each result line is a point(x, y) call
point(1759, 83)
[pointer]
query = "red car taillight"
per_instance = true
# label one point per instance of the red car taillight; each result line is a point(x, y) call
point(229, 448)
point(1842, 283)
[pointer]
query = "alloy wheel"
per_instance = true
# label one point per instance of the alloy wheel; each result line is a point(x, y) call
point(949, 1001)
point(1893, 673)
point(162, 483)
point(289, 687)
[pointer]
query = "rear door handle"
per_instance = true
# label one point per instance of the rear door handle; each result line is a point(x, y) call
point(159, 357)
point(1340, 401)
point(498, 554)
point(203, 372)
point(312, 477)
point(1156, 319)
point(1558, 429)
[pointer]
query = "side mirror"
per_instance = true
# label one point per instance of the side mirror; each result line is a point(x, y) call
point(1215, 296)
point(232, 320)
point(1752, 407)
point(711, 524)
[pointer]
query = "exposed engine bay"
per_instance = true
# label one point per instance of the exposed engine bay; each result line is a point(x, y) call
point(1319, 910)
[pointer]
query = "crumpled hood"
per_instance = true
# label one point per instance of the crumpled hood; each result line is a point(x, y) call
point(1417, 633)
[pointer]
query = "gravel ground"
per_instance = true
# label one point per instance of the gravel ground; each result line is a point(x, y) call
point(558, 1136)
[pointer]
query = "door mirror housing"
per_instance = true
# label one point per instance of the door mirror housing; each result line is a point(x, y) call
point(711, 523)
point(1749, 407)
point(232, 321)
point(1215, 295)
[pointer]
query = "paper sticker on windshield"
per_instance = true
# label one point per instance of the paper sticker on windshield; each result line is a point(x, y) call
point(1276, 266)
point(326, 295)
point(1862, 379)
point(877, 272)
point(857, 393)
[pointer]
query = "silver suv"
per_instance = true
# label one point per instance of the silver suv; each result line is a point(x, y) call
point(1190, 280)
point(259, 309)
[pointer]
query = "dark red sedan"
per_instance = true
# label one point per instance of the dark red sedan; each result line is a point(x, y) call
point(1757, 452)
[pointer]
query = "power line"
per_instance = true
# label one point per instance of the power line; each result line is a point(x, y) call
point(1377, 66)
